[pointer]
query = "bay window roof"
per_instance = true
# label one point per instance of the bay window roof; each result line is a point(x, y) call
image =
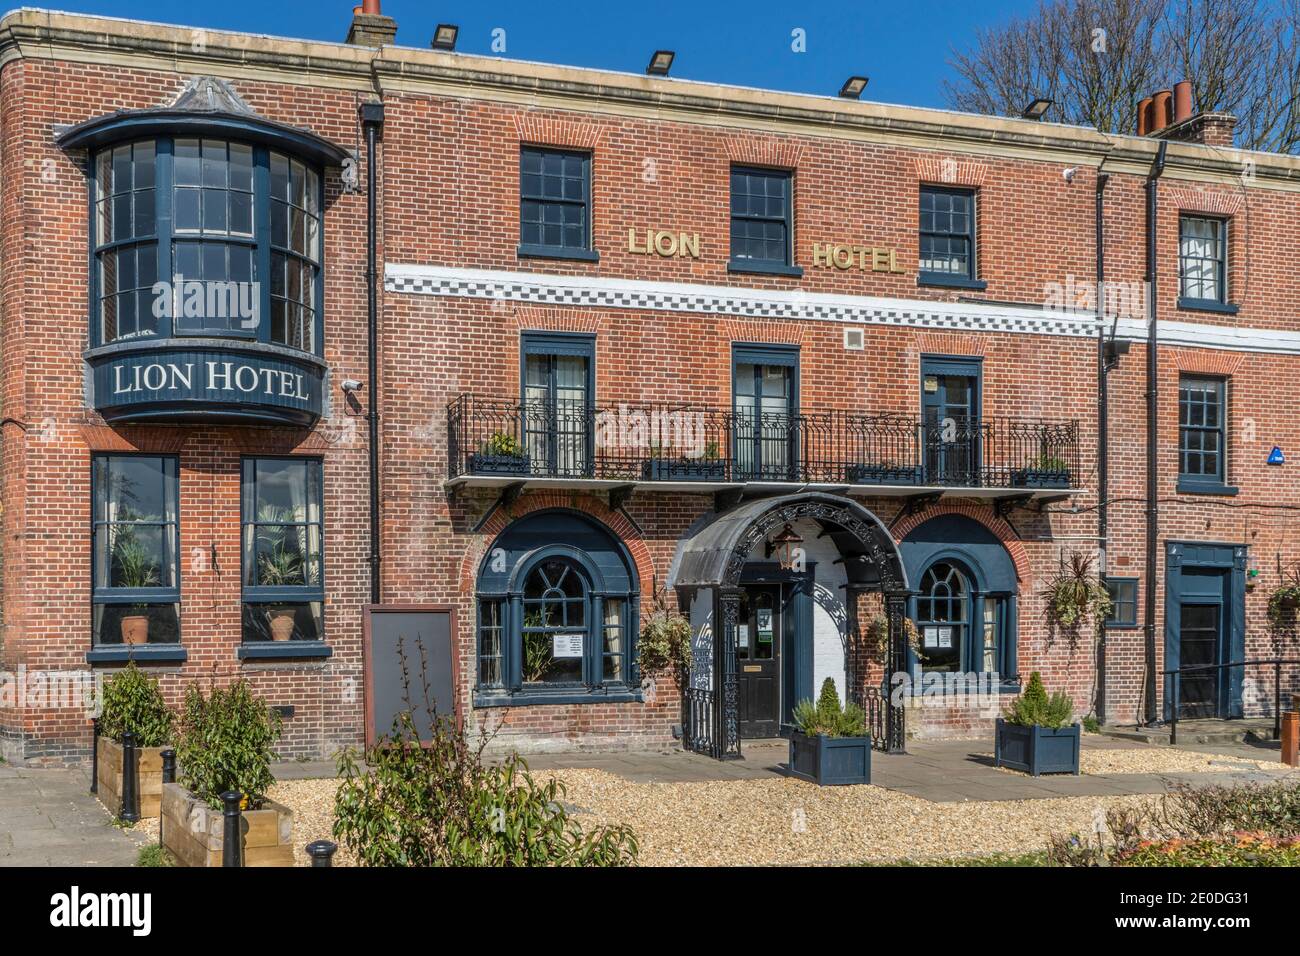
point(206, 106)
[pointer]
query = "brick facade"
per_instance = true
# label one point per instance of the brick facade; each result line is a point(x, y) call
point(448, 200)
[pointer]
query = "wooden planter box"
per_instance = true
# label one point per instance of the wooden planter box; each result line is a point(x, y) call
point(830, 761)
point(193, 832)
point(1037, 750)
point(108, 783)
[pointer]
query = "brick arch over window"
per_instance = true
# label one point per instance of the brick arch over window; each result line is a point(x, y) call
point(615, 522)
point(979, 514)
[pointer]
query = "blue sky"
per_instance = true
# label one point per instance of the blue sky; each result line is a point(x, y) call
point(903, 46)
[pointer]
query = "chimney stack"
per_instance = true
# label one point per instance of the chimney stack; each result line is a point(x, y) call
point(370, 27)
point(1170, 115)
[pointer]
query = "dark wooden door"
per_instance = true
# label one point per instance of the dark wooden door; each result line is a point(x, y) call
point(1200, 643)
point(758, 661)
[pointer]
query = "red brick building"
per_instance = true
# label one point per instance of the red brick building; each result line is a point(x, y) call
point(794, 365)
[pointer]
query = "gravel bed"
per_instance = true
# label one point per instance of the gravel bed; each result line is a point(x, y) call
point(1095, 761)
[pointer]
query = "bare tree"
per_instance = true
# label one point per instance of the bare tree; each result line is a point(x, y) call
point(1096, 59)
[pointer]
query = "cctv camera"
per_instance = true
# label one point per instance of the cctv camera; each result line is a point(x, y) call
point(351, 385)
point(1069, 174)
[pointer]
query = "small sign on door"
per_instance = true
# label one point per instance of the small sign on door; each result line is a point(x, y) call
point(566, 645)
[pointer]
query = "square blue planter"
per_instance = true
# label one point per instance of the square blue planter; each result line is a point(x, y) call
point(830, 761)
point(1037, 750)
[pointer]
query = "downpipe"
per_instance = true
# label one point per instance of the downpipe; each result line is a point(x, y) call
point(1153, 485)
point(372, 121)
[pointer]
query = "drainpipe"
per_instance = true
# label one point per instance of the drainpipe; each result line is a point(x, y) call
point(1153, 486)
point(372, 120)
point(1103, 429)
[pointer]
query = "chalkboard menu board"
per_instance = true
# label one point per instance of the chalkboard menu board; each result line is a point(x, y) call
point(423, 637)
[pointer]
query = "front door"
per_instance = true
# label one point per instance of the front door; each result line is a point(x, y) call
point(951, 425)
point(1200, 643)
point(758, 661)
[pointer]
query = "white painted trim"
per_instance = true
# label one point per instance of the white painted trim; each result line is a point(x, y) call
point(535, 288)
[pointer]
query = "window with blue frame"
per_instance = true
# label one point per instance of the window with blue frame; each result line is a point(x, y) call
point(1123, 601)
point(136, 586)
point(555, 203)
point(557, 605)
point(765, 402)
point(558, 385)
point(1202, 260)
point(282, 554)
point(960, 629)
point(1201, 431)
point(947, 254)
point(762, 220)
point(234, 230)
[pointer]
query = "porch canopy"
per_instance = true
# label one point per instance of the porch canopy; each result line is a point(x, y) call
point(713, 553)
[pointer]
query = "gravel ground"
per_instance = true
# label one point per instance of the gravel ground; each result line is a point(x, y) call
point(777, 821)
point(1161, 760)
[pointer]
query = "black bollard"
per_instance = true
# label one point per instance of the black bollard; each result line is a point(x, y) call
point(168, 776)
point(322, 852)
point(130, 782)
point(94, 758)
point(232, 845)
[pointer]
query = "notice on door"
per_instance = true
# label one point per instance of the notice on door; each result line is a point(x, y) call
point(764, 625)
point(566, 645)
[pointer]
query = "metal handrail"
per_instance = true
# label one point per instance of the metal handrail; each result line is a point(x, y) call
point(1277, 663)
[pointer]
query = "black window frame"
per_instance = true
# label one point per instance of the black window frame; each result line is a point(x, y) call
point(286, 594)
point(103, 595)
point(1203, 482)
point(969, 279)
point(1123, 612)
point(784, 266)
point(1219, 302)
point(531, 250)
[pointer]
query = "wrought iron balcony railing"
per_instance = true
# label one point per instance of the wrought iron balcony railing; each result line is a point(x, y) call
point(657, 442)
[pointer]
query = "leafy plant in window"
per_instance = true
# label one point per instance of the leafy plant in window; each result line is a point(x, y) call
point(827, 718)
point(282, 560)
point(538, 649)
point(1075, 594)
point(437, 802)
point(1034, 708)
point(135, 565)
point(133, 703)
point(226, 742)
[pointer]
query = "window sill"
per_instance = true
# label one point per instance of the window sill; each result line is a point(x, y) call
point(1205, 488)
point(1208, 305)
point(143, 653)
point(950, 282)
point(557, 252)
point(533, 698)
point(765, 268)
point(283, 650)
point(1118, 626)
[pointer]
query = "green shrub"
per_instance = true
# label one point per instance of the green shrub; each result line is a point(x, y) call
point(154, 855)
point(503, 443)
point(1091, 724)
point(1215, 810)
point(132, 702)
point(441, 804)
point(1239, 849)
point(827, 717)
point(665, 643)
point(225, 743)
point(1033, 706)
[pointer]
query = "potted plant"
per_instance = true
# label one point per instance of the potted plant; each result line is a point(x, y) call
point(281, 561)
point(1038, 734)
point(665, 644)
point(1284, 601)
point(708, 466)
point(132, 703)
point(136, 567)
point(225, 742)
point(1075, 593)
point(829, 746)
point(1046, 471)
point(501, 454)
point(884, 473)
point(878, 636)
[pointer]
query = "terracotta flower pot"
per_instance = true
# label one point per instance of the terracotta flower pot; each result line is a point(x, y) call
point(281, 625)
point(135, 629)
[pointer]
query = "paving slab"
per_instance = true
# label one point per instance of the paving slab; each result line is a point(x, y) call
point(49, 818)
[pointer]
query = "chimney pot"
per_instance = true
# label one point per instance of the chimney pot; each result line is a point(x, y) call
point(370, 27)
point(1144, 116)
point(1163, 105)
point(1182, 100)
point(371, 7)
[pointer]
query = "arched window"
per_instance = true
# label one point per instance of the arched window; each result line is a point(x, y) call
point(556, 605)
point(232, 229)
point(943, 616)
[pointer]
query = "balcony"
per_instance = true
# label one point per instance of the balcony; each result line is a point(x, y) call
point(690, 448)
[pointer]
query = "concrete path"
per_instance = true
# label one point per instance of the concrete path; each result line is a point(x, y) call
point(49, 818)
